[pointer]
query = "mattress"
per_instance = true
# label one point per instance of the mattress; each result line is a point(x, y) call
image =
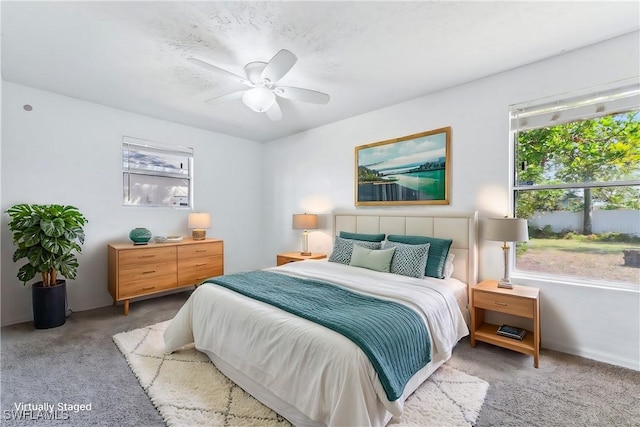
point(305, 372)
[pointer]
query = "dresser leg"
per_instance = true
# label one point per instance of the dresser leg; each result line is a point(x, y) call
point(126, 307)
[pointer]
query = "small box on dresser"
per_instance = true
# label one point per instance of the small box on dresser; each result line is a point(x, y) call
point(141, 270)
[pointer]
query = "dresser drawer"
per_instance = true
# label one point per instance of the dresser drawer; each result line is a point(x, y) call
point(199, 250)
point(504, 303)
point(146, 255)
point(148, 278)
point(195, 270)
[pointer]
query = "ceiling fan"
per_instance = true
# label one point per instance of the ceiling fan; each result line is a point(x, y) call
point(262, 78)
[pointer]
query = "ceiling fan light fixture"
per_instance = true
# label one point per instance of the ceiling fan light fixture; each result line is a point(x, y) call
point(259, 99)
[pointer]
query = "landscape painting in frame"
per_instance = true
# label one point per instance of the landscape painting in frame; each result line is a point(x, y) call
point(411, 170)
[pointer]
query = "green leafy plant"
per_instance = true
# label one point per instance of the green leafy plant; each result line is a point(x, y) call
point(49, 237)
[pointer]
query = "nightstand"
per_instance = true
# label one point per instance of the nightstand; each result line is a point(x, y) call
point(295, 256)
point(522, 301)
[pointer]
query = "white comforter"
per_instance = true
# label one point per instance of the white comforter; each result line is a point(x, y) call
point(320, 373)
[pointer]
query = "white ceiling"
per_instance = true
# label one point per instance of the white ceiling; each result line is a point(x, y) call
point(366, 55)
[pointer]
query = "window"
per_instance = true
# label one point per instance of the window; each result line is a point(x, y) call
point(155, 174)
point(577, 182)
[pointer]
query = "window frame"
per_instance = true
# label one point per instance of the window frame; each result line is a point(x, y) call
point(147, 146)
point(614, 98)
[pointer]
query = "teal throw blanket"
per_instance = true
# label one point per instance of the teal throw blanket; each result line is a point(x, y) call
point(392, 335)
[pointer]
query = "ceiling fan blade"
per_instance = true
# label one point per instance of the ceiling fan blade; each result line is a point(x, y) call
point(304, 95)
point(219, 70)
point(274, 112)
point(228, 97)
point(279, 65)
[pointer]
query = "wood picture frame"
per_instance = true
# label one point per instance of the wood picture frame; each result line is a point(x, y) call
point(410, 170)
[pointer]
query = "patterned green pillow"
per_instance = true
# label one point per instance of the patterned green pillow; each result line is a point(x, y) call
point(343, 248)
point(362, 236)
point(438, 251)
point(409, 260)
point(379, 260)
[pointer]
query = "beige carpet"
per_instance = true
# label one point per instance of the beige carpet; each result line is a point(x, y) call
point(188, 390)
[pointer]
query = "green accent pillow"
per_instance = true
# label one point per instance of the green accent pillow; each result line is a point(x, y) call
point(362, 236)
point(343, 248)
point(379, 260)
point(438, 251)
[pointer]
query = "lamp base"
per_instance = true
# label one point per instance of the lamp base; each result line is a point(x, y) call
point(505, 283)
point(198, 234)
point(305, 253)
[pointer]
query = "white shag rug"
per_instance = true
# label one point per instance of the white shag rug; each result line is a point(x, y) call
point(188, 390)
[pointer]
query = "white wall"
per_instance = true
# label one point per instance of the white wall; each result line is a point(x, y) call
point(69, 152)
point(314, 172)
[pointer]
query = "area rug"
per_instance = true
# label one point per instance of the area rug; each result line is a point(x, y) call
point(188, 390)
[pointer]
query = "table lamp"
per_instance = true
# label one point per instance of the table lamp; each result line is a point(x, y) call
point(305, 222)
point(198, 223)
point(506, 230)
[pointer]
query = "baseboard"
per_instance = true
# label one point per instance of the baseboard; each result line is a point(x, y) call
point(611, 359)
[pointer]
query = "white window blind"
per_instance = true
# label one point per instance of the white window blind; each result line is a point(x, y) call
point(615, 98)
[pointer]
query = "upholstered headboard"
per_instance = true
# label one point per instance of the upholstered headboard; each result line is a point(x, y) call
point(462, 227)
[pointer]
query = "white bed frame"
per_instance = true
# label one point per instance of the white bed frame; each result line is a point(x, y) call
point(462, 227)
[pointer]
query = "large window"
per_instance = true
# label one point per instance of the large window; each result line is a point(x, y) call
point(156, 175)
point(577, 182)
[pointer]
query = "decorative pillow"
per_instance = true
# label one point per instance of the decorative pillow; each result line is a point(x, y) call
point(362, 236)
point(438, 251)
point(379, 260)
point(448, 266)
point(408, 260)
point(343, 248)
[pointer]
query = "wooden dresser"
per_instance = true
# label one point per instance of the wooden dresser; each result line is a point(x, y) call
point(142, 270)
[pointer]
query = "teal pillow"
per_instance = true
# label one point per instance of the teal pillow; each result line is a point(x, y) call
point(408, 260)
point(362, 236)
point(438, 251)
point(379, 260)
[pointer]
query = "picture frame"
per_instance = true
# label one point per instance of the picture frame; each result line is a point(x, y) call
point(410, 170)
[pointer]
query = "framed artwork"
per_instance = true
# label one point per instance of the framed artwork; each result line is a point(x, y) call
point(411, 170)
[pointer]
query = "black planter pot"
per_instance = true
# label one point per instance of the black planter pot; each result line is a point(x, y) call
point(49, 304)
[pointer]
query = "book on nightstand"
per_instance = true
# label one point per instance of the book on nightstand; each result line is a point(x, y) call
point(512, 332)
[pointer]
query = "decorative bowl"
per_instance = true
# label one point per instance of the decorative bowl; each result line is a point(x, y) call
point(140, 236)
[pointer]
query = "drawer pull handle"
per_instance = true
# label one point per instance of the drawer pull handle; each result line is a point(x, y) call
point(147, 256)
point(148, 272)
point(148, 288)
point(201, 250)
point(200, 265)
point(501, 303)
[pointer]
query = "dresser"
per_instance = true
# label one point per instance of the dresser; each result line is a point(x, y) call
point(143, 270)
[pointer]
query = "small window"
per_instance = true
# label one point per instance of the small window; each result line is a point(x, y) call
point(577, 181)
point(155, 174)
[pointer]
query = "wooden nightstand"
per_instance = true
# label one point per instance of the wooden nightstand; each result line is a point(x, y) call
point(295, 256)
point(522, 301)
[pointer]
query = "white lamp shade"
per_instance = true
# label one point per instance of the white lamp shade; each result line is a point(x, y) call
point(507, 230)
point(259, 99)
point(305, 221)
point(199, 220)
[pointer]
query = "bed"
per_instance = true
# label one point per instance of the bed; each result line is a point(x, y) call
point(309, 373)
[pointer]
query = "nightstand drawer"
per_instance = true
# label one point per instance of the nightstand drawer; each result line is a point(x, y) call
point(504, 303)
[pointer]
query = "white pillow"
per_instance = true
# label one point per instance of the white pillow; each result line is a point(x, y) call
point(448, 266)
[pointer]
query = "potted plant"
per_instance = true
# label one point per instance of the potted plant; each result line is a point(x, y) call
point(49, 237)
